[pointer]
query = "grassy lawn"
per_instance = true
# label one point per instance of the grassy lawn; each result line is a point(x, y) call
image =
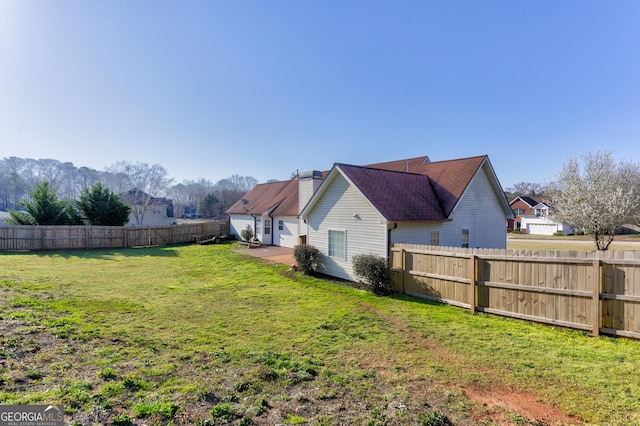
point(202, 335)
point(569, 242)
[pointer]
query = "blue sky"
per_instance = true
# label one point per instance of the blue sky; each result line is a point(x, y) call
point(264, 88)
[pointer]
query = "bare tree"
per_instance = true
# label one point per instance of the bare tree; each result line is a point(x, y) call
point(526, 188)
point(152, 181)
point(598, 195)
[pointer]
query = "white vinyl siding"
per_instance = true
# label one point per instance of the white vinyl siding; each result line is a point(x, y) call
point(238, 222)
point(286, 233)
point(342, 207)
point(479, 211)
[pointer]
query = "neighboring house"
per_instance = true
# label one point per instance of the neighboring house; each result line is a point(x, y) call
point(271, 209)
point(147, 210)
point(521, 206)
point(531, 216)
point(540, 223)
point(364, 210)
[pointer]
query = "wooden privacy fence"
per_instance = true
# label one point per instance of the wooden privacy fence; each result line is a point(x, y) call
point(594, 291)
point(99, 237)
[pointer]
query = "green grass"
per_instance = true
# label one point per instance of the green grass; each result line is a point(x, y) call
point(203, 335)
point(569, 242)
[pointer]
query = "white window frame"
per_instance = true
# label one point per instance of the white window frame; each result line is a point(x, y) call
point(334, 251)
point(465, 236)
point(434, 238)
point(267, 226)
point(281, 225)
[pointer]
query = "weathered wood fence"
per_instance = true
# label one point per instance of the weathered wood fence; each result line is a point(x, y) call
point(99, 237)
point(594, 291)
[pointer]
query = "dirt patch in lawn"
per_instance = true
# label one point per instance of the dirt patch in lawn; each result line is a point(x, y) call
point(503, 406)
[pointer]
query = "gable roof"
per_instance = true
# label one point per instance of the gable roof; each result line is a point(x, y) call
point(278, 198)
point(410, 165)
point(398, 196)
point(430, 192)
point(527, 200)
point(531, 202)
point(138, 197)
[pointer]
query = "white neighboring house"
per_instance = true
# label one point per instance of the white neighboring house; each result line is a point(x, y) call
point(3, 217)
point(147, 210)
point(364, 210)
point(541, 223)
point(271, 210)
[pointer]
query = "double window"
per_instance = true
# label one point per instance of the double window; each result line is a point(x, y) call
point(337, 244)
point(281, 225)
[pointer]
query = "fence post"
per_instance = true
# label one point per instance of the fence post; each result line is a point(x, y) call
point(597, 285)
point(473, 276)
point(403, 264)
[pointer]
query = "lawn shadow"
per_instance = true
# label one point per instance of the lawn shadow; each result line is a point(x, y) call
point(103, 254)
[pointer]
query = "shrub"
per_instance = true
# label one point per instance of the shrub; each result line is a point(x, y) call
point(247, 233)
point(434, 418)
point(307, 258)
point(122, 420)
point(373, 271)
point(221, 411)
point(165, 409)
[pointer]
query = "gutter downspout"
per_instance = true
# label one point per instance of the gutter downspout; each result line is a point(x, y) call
point(395, 225)
point(254, 226)
point(271, 230)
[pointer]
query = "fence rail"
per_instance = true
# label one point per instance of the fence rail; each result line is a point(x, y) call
point(32, 238)
point(593, 291)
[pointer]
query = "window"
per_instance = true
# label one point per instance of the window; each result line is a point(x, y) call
point(267, 226)
point(434, 238)
point(465, 238)
point(337, 244)
point(518, 212)
point(542, 211)
point(281, 225)
point(258, 227)
point(140, 210)
point(157, 210)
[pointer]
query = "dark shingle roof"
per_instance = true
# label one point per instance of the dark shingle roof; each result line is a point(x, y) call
point(429, 193)
point(279, 198)
point(136, 196)
point(399, 197)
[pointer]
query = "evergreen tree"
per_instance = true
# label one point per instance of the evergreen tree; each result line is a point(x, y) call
point(44, 208)
point(101, 207)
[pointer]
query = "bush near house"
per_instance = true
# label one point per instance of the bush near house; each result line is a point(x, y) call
point(247, 233)
point(373, 271)
point(307, 257)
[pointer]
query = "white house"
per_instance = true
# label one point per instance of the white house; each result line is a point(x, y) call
point(147, 210)
point(540, 223)
point(271, 210)
point(360, 210)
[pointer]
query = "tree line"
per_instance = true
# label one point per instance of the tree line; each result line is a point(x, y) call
point(19, 177)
